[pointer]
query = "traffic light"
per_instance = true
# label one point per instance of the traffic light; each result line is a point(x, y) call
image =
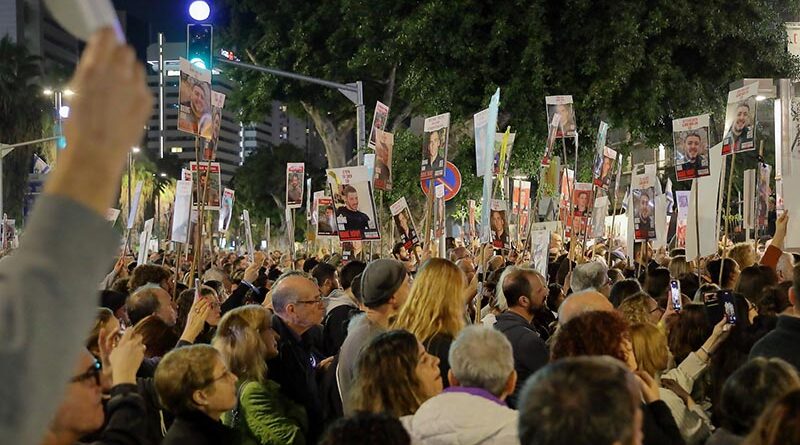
point(200, 45)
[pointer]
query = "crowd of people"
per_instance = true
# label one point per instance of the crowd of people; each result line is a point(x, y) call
point(474, 348)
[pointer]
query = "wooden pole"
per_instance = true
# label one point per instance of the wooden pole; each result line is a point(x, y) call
point(727, 218)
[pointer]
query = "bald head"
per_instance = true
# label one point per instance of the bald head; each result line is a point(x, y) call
point(290, 289)
point(578, 303)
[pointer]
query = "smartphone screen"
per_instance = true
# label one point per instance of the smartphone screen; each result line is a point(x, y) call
point(728, 306)
point(675, 293)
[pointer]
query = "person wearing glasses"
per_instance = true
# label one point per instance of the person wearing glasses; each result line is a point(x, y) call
point(298, 305)
point(81, 410)
point(196, 386)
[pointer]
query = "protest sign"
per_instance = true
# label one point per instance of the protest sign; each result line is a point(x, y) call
point(480, 123)
point(208, 171)
point(499, 225)
point(379, 119)
point(180, 212)
point(217, 103)
point(683, 197)
point(404, 223)
point(137, 195)
point(326, 216)
point(248, 234)
point(552, 131)
point(434, 148)
point(351, 191)
point(740, 129)
point(603, 167)
point(384, 144)
point(643, 192)
point(194, 97)
point(225, 210)
point(295, 177)
point(703, 210)
point(691, 137)
point(486, 194)
point(144, 241)
point(540, 243)
point(562, 105)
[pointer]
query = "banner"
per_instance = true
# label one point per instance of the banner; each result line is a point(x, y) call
point(740, 129)
point(499, 225)
point(225, 210)
point(295, 175)
point(384, 144)
point(494, 105)
point(351, 191)
point(562, 105)
point(691, 138)
point(137, 195)
point(326, 217)
point(434, 148)
point(480, 123)
point(214, 189)
point(194, 96)
point(217, 103)
point(180, 212)
point(379, 119)
point(248, 233)
point(603, 166)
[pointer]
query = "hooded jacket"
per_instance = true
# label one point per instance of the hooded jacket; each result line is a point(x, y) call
point(339, 309)
point(530, 352)
point(463, 416)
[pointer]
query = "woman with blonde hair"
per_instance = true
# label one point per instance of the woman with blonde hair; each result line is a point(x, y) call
point(246, 340)
point(641, 308)
point(435, 309)
point(652, 355)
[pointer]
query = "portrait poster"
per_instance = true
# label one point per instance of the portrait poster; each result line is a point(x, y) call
point(604, 167)
point(563, 106)
point(384, 144)
point(226, 210)
point(379, 120)
point(582, 203)
point(643, 192)
point(552, 131)
point(540, 247)
point(498, 220)
point(566, 185)
point(515, 196)
point(404, 223)
point(210, 144)
point(210, 170)
point(691, 138)
point(740, 119)
point(498, 145)
point(683, 197)
point(295, 179)
point(599, 214)
point(194, 98)
point(186, 174)
point(434, 146)
point(524, 207)
point(764, 192)
point(480, 122)
point(326, 216)
point(181, 211)
point(351, 191)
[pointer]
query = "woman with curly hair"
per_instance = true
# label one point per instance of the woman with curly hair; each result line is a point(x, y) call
point(641, 308)
point(435, 310)
point(263, 416)
point(607, 333)
point(394, 374)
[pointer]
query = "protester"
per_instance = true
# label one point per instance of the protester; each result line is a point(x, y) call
point(145, 274)
point(340, 307)
point(366, 429)
point(398, 357)
point(472, 408)
point(779, 423)
point(641, 308)
point(384, 287)
point(196, 386)
point(581, 302)
point(747, 393)
point(435, 311)
point(263, 415)
point(298, 307)
point(782, 342)
point(591, 276)
point(557, 401)
point(622, 290)
point(525, 291)
point(327, 278)
point(151, 299)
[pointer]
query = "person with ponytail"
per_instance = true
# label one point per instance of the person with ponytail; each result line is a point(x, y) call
point(263, 416)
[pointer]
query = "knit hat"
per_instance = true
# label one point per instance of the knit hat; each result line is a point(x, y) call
point(380, 280)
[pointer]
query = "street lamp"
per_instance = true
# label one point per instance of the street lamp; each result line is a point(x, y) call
point(199, 10)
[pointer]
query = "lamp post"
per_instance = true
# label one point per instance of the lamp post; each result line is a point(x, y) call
point(61, 112)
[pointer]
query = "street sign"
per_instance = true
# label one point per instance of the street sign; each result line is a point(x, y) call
point(451, 181)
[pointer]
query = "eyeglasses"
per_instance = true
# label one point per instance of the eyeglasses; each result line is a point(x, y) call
point(94, 371)
point(317, 300)
point(215, 379)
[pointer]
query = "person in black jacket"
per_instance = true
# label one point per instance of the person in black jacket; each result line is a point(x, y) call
point(298, 308)
point(525, 291)
point(340, 306)
point(195, 385)
point(81, 410)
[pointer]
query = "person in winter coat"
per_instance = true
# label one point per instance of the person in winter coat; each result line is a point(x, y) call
point(472, 409)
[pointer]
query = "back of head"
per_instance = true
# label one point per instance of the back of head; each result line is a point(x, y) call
point(729, 267)
point(650, 348)
point(309, 264)
point(112, 300)
point(678, 266)
point(349, 272)
point(323, 272)
point(592, 275)
point(158, 337)
point(435, 303)
point(182, 372)
point(389, 357)
point(636, 308)
point(743, 254)
point(481, 357)
point(749, 390)
point(657, 282)
point(579, 401)
point(689, 331)
point(380, 280)
point(366, 429)
point(624, 289)
point(581, 302)
point(214, 274)
point(592, 333)
point(142, 302)
point(514, 283)
point(753, 280)
point(239, 340)
point(147, 273)
point(779, 424)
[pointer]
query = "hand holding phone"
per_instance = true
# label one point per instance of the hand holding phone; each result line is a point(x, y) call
point(675, 294)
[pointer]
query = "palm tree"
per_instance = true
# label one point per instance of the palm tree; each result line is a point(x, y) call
point(22, 113)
